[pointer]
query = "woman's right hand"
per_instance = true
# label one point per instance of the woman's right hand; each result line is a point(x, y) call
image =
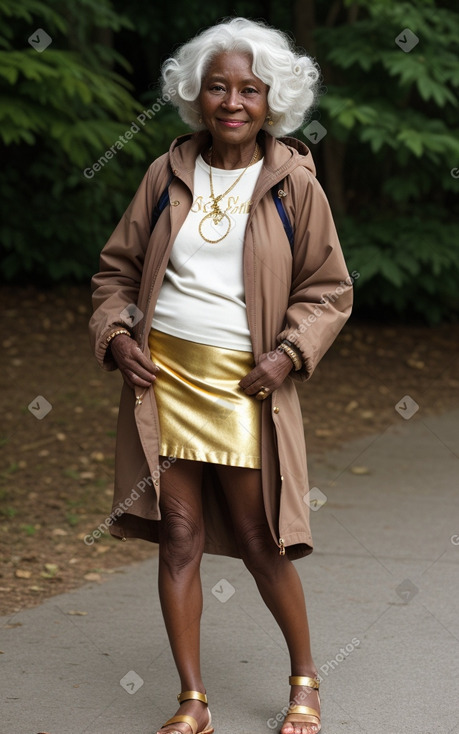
point(136, 368)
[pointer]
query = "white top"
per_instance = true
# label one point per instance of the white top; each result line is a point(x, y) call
point(202, 297)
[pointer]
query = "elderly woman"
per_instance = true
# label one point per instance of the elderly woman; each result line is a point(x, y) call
point(223, 283)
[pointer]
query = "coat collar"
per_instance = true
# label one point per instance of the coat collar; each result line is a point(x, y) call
point(281, 157)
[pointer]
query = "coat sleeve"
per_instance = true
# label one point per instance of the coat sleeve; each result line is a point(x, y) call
point(320, 298)
point(116, 285)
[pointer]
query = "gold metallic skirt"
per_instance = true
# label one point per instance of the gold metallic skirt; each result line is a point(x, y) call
point(203, 414)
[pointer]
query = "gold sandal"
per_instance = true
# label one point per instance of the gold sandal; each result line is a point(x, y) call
point(190, 720)
point(303, 714)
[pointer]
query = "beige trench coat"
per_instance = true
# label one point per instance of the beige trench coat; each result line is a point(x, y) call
point(306, 298)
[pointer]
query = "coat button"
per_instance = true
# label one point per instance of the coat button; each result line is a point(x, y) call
point(175, 203)
point(282, 478)
point(156, 482)
point(276, 409)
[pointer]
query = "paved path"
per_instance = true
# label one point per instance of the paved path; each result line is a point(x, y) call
point(383, 595)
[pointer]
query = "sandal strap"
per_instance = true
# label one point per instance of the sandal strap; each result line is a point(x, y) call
point(190, 720)
point(304, 710)
point(192, 695)
point(304, 680)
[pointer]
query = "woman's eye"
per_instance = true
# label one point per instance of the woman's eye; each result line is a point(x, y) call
point(250, 90)
point(217, 88)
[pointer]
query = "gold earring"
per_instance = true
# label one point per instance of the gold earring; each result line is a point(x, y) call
point(269, 121)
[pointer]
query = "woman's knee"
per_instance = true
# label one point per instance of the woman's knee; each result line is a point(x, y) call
point(181, 539)
point(258, 550)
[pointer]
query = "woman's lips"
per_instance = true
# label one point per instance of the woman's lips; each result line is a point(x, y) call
point(232, 123)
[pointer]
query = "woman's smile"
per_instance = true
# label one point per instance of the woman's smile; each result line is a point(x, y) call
point(232, 123)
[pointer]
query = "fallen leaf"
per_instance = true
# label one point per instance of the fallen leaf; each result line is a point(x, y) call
point(360, 470)
point(323, 432)
point(351, 406)
point(76, 613)
point(51, 568)
point(59, 531)
point(93, 577)
point(21, 574)
point(416, 364)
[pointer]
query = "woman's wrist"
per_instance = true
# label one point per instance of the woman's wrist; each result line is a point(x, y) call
point(293, 353)
point(117, 332)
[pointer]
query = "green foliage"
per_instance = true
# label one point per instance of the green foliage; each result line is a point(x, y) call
point(406, 265)
point(395, 115)
point(60, 111)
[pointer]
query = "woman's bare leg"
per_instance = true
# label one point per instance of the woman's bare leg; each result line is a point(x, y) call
point(179, 581)
point(276, 578)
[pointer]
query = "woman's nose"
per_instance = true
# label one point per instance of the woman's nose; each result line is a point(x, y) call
point(232, 100)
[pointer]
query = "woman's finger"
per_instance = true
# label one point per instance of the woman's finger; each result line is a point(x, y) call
point(133, 380)
point(140, 373)
point(142, 359)
point(268, 374)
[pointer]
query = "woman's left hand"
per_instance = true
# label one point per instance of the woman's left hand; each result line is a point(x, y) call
point(270, 373)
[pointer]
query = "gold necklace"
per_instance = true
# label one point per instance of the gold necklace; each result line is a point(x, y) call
point(216, 214)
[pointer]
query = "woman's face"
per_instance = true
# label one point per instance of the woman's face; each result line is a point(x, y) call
point(233, 101)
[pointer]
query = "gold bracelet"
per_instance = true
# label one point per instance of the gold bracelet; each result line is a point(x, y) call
point(117, 333)
point(297, 362)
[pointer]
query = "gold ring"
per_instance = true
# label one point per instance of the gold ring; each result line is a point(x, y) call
point(262, 393)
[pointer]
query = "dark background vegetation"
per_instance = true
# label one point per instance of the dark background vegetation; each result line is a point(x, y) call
point(391, 118)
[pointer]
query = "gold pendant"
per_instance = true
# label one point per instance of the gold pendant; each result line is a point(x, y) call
point(217, 218)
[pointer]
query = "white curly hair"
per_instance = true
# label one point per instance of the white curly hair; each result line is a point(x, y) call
point(292, 77)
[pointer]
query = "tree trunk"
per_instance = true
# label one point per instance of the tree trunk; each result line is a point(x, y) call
point(334, 153)
point(304, 23)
